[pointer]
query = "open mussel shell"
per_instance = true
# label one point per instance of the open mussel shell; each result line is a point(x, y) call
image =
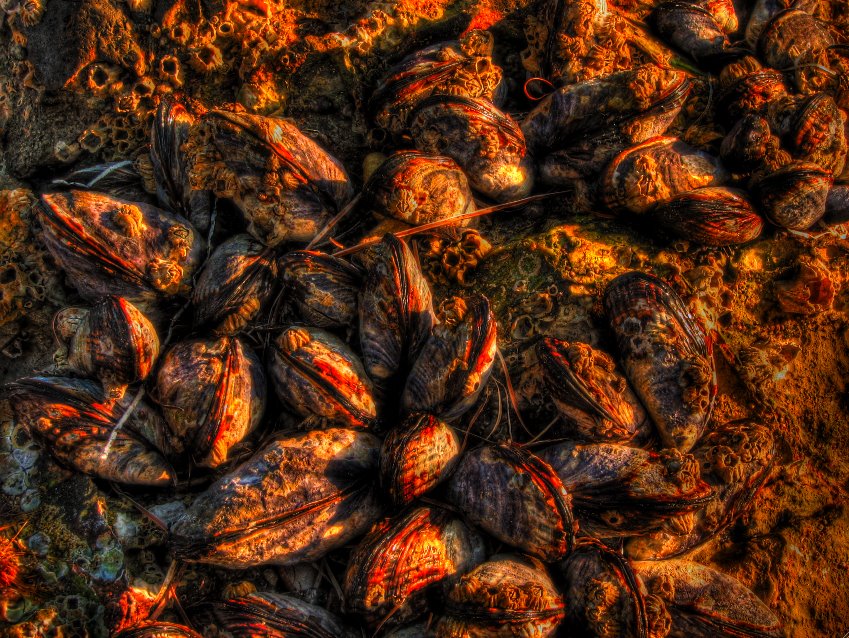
point(791, 38)
point(462, 67)
point(112, 341)
point(416, 456)
point(295, 500)
point(654, 172)
point(108, 246)
point(711, 216)
point(323, 289)
point(516, 497)
point(486, 143)
point(593, 398)
point(794, 196)
point(454, 364)
point(509, 595)
point(168, 132)
point(236, 284)
point(272, 615)
point(285, 184)
point(396, 314)
point(692, 28)
point(818, 133)
point(578, 109)
point(417, 188)
point(405, 560)
point(735, 460)
point(212, 393)
point(78, 423)
point(664, 354)
point(619, 491)
point(316, 373)
point(603, 596)
point(704, 602)
point(158, 630)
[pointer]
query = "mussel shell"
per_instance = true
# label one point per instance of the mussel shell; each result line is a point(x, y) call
point(396, 314)
point(236, 283)
point(285, 184)
point(735, 460)
point(274, 615)
point(794, 196)
point(653, 172)
point(113, 341)
point(158, 630)
point(516, 497)
point(704, 602)
point(664, 354)
point(322, 288)
point(578, 109)
point(620, 491)
point(118, 179)
point(417, 188)
point(168, 132)
point(295, 500)
point(108, 246)
point(592, 397)
point(818, 133)
point(806, 288)
point(487, 144)
point(454, 364)
point(747, 144)
point(78, 424)
point(316, 373)
point(508, 595)
point(416, 456)
point(711, 216)
point(604, 597)
point(212, 393)
point(458, 68)
point(401, 561)
point(792, 37)
point(752, 93)
point(692, 29)
point(761, 13)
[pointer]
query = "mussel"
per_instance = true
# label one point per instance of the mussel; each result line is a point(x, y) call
point(274, 615)
point(516, 497)
point(463, 67)
point(111, 341)
point(794, 196)
point(417, 188)
point(454, 364)
point(235, 285)
point(402, 560)
point(108, 246)
point(711, 216)
point(80, 426)
point(296, 499)
point(487, 144)
point(590, 394)
point(316, 373)
point(285, 184)
point(212, 393)
point(792, 38)
point(158, 630)
point(417, 455)
point(654, 172)
point(508, 595)
point(323, 289)
point(665, 356)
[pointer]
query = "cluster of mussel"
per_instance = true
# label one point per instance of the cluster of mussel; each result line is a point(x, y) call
point(384, 379)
